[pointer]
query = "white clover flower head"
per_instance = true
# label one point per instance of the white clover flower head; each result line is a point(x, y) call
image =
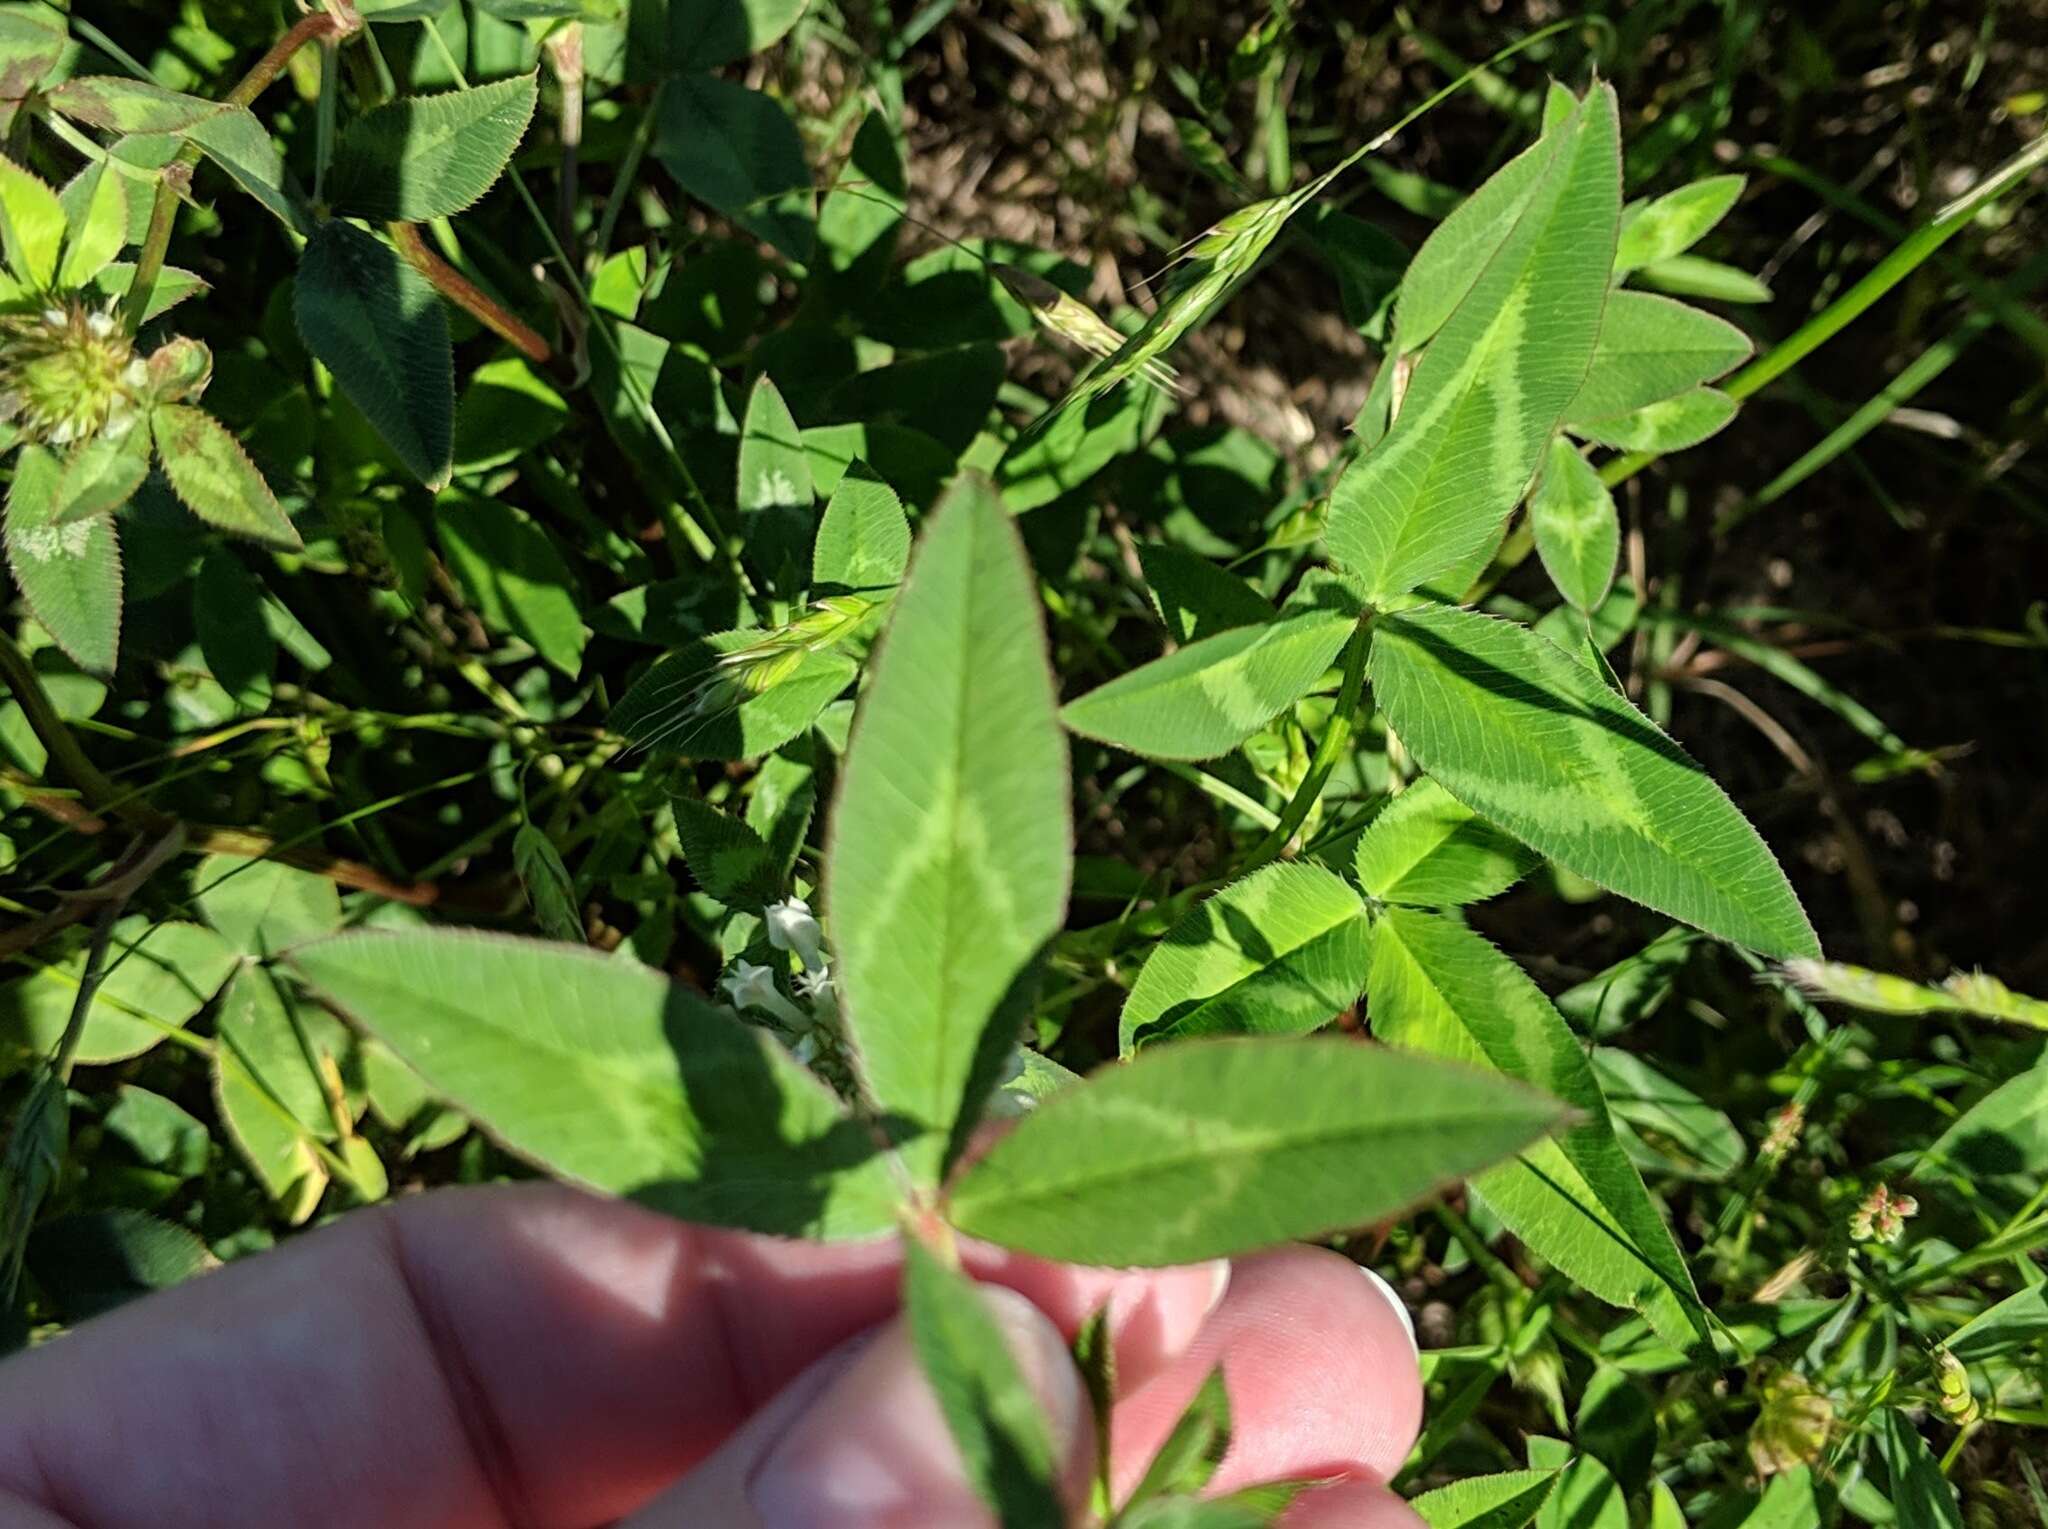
point(791, 927)
point(748, 986)
point(815, 984)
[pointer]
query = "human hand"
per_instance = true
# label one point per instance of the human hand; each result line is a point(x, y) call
point(532, 1356)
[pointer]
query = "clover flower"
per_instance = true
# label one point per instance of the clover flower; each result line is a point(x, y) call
point(68, 373)
point(791, 927)
point(748, 986)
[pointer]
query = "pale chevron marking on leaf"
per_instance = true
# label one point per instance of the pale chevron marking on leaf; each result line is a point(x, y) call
point(1526, 736)
point(950, 850)
point(1490, 389)
point(1577, 531)
point(1575, 1199)
point(1212, 1147)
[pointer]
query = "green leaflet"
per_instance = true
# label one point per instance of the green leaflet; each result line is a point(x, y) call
point(1488, 393)
point(157, 977)
point(234, 139)
point(263, 907)
point(120, 105)
point(1672, 424)
point(1575, 1199)
point(1653, 348)
point(101, 475)
point(776, 496)
point(1197, 599)
point(506, 408)
point(227, 617)
point(69, 574)
point(550, 890)
point(375, 323)
point(1789, 1502)
point(950, 850)
point(30, 48)
point(92, 1261)
point(995, 1420)
point(1539, 744)
point(605, 1073)
point(97, 212)
point(861, 216)
point(259, 1076)
point(1191, 1453)
point(2002, 1139)
point(736, 150)
point(1459, 248)
point(690, 705)
point(1587, 1496)
point(1692, 276)
point(705, 34)
point(863, 540)
point(2015, 1322)
point(1216, 1147)
point(255, 1023)
point(1507, 1500)
point(1674, 222)
point(729, 859)
point(1206, 698)
point(172, 287)
point(514, 576)
point(1663, 1125)
point(1281, 952)
point(423, 157)
point(1577, 531)
point(1920, 1493)
point(1428, 848)
point(31, 225)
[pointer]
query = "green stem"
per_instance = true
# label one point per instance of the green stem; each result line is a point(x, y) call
point(323, 120)
point(88, 985)
point(1330, 749)
point(692, 529)
point(156, 244)
point(49, 728)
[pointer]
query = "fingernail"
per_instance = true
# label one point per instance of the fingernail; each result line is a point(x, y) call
point(1393, 1299)
point(874, 1449)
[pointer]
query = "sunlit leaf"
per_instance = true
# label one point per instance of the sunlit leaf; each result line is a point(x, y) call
point(1214, 1147)
point(1577, 530)
point(949, 856)
point(1543, 747)
point(1206, 698)
point(1429, 849)
point(1574, 1199)
point(1489, 391)
point(1281, 952)
point(422, 157)
point(607, 1074)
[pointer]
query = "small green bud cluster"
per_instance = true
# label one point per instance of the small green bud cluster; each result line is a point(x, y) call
point(1882, 1216)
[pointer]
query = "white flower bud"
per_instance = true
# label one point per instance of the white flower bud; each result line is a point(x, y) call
point(748, 986)
point(791, 927)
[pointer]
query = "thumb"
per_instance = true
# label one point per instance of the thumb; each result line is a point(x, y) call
point(858, 1442)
